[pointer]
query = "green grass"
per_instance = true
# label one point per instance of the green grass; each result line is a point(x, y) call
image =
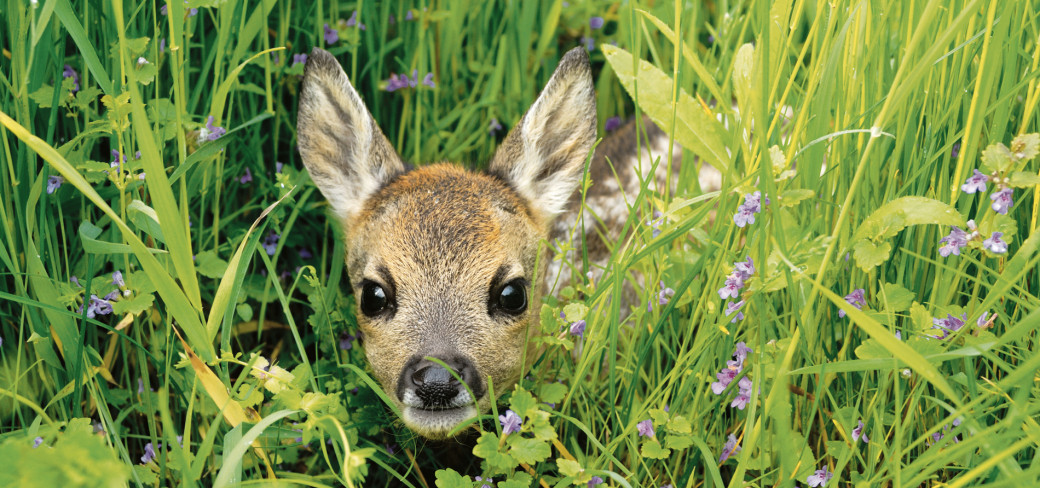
point(887, 99)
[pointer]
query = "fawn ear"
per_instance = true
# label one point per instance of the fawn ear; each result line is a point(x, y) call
point(542, 157)
point(345, 152)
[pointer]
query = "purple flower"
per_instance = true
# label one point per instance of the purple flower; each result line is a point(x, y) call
point(271, 243)
point(956, 151)
point(68, 72)
point(664, 295)
point(494, 126)
point(1, 341)
point(299, 59)
point(856, 299)
point(976, 182)
point(511, 422)
point(596, 23)
point(75, 281)
point(305, 253)
point(428, 80)
point(396, 82)
point(331, 36)
point(981, 322)
point(346, 341)
point(949, 324)
point(746, 212)
point(53, 183)
point(734, 307)
point(744, 268)
point(590, 43)
point(117, 160)
point(820, 477)
point(731, 289)
point(352, 21)
point(645, 428)
point(278, 165)
point(741, 353)
point(211, 132)
point(97, 306)
point(117, 279)
point(594, 481)
point(162, 46)
point(953, 242)
point(163, 10)
point(37, 441)
point(578, 328)
point(994, 244)
point(612, 124)
point(729, 449)
point(725, 377)
point(246, 177)
point(149, 453)
point(1002, 201)
point(743, 393)
point(858, 432)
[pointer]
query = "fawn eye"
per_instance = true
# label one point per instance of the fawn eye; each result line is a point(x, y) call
point(373, 299)
point(512, 298)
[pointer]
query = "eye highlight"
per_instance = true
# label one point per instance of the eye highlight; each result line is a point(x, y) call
point(511, 298)
point(375, 300)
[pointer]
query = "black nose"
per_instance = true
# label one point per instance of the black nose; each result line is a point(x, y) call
point(435, 386)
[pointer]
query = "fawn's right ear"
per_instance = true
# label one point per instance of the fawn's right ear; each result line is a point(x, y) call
point(345, 152)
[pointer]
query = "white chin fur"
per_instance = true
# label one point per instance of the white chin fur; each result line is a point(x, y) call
point(436, 423)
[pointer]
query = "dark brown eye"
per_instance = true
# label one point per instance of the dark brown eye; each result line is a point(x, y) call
point(373, 299)
point(512, 298)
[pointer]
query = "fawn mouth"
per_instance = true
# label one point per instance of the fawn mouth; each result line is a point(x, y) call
point(439, 422)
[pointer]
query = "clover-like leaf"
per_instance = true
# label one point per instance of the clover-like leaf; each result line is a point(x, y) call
point(997, 158)
point(869, 255)
point(897, 298)
point(1025, 146)
point(653, 450)
point(528, 451)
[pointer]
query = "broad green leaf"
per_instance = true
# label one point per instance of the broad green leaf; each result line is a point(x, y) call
point(897, 298)
point(1022, 179)
point(518, 479)
point(575, 311)
point(791, 198)
point(703, 75)
point(487, 448)
point(695, 128)
point(529, 451)
point(870, 349)
point(997, 158)
point(868, 255)
point(75, 457)
point(678, 441)
point(1025, 146)
point(145, 219)
point(652, 449)
point(522, 402)
point(449, 478)
point(552, 392)
point(139, 303)
point(894, 216)
point(208, 264)
point(679, 425)
point(569, 468)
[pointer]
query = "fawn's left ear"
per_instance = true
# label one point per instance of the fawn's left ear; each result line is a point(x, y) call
point(542, 157)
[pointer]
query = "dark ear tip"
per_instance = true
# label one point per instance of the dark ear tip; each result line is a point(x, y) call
point(576, 58)
point(321, 60)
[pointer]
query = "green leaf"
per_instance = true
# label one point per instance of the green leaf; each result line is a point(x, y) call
point(897, 298)
point(522, 402)
point(870, 349)
point(487, 448)
point(652, 449)
point(695, 128)
point(894, 216)
point(1025, 146)
point(791, 198)
point(135, 305)
point(1022, 179)
point(569, 468)
point(145, 219)
point(43, 96)
point(678, 441)
point(869, 256)
point(552, 392)
point(164, 115)
point(575, 311)
point(518, 479)
point(75, 457)
point(778, 159)
point(679, 425)
point(528, 451)
point(208, 264)
point(920, 316)
point(996, 158)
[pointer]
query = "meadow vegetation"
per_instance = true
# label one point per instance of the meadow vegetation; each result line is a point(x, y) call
point(857, 305)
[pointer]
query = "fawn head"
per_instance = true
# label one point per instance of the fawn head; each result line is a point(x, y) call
point(443, 260)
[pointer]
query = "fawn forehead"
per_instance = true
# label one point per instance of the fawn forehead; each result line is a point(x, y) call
point(442, 218)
